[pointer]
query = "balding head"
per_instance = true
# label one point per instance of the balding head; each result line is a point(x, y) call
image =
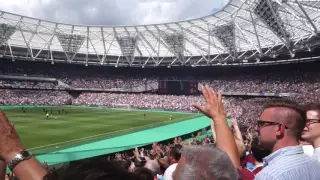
point(205, 163)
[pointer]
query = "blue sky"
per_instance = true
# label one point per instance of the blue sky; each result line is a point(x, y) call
point(112, 12)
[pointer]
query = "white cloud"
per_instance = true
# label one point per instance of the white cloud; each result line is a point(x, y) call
point(112, 12)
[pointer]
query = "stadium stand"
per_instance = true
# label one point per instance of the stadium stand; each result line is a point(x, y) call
point(262, 55)
point(244, 109)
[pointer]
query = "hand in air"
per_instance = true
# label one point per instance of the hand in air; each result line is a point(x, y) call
point(213, 103)
point(10, 142)
point(234, 122)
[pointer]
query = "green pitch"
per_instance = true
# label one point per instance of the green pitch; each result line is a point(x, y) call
point(82, 125)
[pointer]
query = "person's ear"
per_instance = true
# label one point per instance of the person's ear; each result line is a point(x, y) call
point(280, 130)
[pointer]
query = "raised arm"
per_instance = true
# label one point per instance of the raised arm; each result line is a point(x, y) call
point(2, 170)
point(10, 146)
point(237, 132)
point(214, 109)
point(213, 131)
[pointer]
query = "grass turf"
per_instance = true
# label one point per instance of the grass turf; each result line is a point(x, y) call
point(82, 125)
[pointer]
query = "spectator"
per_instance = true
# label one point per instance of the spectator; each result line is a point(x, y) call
point(95, 169)
point(173, 158)
point(153, 166)
point(145, 174)
point(311, 132)
point(307, 147)
point(204, 163)
point(25, 168)
point(258, 153)
point(279, 129)
point(214, 109)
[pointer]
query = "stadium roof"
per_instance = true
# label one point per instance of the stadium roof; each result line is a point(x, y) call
point(242, 32)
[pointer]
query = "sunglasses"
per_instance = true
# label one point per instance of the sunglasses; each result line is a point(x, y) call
point(312, 121)
point(261, 123)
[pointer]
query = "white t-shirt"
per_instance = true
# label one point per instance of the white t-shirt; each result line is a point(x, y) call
point(308, 150)
point(317, 153)
point(169, 171)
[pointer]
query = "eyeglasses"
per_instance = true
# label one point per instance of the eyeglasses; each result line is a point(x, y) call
point(312, 121)
point(261, 123)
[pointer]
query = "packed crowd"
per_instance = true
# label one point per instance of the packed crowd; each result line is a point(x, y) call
point(295, 82)
point(106, 82)
point(265, 141)
point(291, 83)
point(244, 109)
point(34, 97)
point(302, 78)
point(271, 148)
point(8, 84)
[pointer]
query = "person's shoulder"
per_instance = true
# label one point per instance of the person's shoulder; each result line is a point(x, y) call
point(173, 166)
point(169, 171)
point(316, 154)
point(263, 175)
point(245, 174)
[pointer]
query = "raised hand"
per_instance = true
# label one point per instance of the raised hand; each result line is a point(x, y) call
point(136, 152)
point(213, 106)
point(234, 122)
point(10, 142)
point(45, 165)
point(118, 156)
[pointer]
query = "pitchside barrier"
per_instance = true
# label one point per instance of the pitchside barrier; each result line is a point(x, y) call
point(122, 142)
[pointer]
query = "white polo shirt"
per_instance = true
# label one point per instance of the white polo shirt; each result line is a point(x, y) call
point(308, 150)
point(169, 171)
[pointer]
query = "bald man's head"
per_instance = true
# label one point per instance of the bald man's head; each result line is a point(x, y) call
point(289, 113)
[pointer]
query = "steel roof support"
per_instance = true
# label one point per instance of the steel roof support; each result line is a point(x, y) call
point(87, 54)
point(136, 46)
point(45, 45)
point(248, 41)
point(256, 33)
point(12, 57)
point(307, 6)
point(199, 37)
point(104, 47)
point(162, 43)
point(315, 29)
point(94, 51)
point(285, 37)
point(300, 17)
point(27, 44)
point(116, 35)
point(143, 39)
point(105, 59)
point(173, 30)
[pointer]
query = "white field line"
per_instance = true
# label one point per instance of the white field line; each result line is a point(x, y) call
point(97, 135)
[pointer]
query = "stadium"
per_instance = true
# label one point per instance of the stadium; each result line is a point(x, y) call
point(76, 93)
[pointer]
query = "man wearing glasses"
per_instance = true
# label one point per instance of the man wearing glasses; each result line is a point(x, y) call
point(311, 132)
point(279, 129)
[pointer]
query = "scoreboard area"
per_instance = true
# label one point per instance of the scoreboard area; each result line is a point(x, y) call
point(178, 87)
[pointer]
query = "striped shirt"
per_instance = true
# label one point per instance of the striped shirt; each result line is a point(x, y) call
point(289, 163)
point(316, 154)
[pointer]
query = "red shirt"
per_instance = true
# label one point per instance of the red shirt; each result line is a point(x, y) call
point(248, 159)
point(246, 174)
point(257, 170)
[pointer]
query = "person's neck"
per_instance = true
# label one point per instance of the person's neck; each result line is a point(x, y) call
point(285, 143)
point(257, 163)
point(173, 162)
point(316, 143)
